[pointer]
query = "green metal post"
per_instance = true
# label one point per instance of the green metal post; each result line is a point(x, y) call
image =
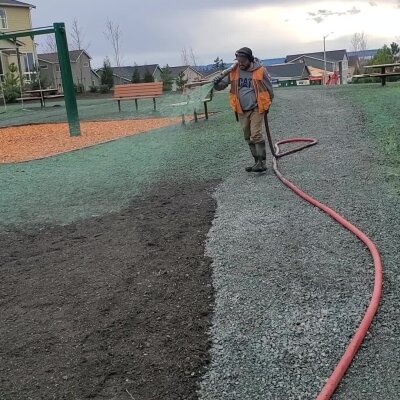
point(67, 80)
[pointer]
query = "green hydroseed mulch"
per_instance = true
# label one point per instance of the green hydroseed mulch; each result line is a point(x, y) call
point(103, 178)
point(106, 177)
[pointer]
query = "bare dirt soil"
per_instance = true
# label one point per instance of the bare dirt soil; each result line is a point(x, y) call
point(112, 307)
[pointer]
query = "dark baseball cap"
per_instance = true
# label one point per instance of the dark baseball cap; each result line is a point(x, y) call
point(245, 52)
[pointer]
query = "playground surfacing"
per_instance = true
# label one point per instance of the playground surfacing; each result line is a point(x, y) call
point(34, 141)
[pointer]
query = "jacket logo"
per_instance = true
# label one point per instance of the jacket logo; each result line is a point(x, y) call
point(245, 83)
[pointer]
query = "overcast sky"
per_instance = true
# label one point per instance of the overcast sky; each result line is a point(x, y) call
point(155, 31)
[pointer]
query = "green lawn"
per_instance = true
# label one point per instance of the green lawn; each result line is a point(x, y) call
point(381, 108)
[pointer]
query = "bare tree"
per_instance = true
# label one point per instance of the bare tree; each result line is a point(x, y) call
point(185, 57)
point(78, 43)
point(359, 45)
point(113, 34)
point(49, 44)
point(78, 37)
point(188, 57)
point(193, 58)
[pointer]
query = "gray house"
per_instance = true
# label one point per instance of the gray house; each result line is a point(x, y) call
point(123, 75)
point(189, 74)
point(338, 58)
point(80, 64)
point(295, 74)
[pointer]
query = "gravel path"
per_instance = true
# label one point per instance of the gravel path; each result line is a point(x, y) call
point(291, 285)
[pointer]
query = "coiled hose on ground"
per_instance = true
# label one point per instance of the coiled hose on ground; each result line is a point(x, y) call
point(333, 381)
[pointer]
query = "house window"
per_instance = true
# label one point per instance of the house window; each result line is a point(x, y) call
point(27, 65)
point(3, 19)
point(44, 66)
point(57, 67)
point(86, 64)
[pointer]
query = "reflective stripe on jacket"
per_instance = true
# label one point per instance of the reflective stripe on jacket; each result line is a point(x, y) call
point(260, 89)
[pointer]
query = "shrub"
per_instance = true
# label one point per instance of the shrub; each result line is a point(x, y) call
point(11, 94)
point(93, 89)
point(104, 89)
point(79, 88)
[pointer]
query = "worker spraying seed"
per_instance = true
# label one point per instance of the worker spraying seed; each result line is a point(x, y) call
point(250, 97)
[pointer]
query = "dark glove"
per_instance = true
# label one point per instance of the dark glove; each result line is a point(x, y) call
point(217, 80)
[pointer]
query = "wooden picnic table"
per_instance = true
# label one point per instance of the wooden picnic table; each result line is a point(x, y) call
point(384, 73)
point(44, 94)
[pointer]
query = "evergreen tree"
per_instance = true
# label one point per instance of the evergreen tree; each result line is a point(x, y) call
point(219, 64)
point(383, 56)
point(395, 49)
point(107, 77)
point(136, 74)
point(166, 77)
point(181, 81)
point(148, 77)
point(12, 84)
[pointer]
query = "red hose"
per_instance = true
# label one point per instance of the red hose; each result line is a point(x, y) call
point(333, 381)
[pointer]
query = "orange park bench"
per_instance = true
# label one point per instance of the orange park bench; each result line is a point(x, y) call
point(136, 91)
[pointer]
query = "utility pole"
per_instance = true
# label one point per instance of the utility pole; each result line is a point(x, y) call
point(325, 57)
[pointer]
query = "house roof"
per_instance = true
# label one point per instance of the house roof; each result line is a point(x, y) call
point(334, 55)
point(14, 3)
point(207, 72)
point(288, 71)
point(175, 71)
point(127, 72)
point(14, 45)
point(272, 61)
point(363, 53)
point(315, 62)
point(52, 58)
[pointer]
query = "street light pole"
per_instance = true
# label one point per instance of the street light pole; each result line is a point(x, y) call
point(325, 57)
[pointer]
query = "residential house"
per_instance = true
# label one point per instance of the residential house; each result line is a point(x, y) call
point(189, 74)
point(82, 73)
point(316, 67)
point(208, 74)
point(16, 16)
point(339, 58)
point(288, 74)
point(123, 75)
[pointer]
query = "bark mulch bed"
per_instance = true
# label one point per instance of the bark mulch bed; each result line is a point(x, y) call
point(30, 142)
point(112, 307)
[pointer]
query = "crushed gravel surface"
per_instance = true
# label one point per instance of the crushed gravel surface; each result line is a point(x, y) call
point(292, 285)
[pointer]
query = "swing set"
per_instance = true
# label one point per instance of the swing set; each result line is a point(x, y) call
point(58, 29)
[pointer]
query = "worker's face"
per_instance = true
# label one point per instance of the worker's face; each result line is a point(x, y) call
point(244, 62)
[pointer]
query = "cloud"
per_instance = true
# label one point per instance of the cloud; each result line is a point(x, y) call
point(321, 15)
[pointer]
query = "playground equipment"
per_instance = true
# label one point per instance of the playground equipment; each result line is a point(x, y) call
point(58, 29)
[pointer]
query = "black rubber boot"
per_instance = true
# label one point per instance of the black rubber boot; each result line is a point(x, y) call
point(261, 156)
point(254, 154)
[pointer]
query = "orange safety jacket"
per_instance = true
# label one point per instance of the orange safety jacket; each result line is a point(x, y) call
point(262, 94)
